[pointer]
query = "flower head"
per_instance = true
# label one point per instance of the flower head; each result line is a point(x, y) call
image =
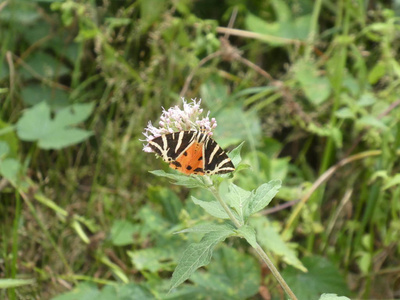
point(175, 119)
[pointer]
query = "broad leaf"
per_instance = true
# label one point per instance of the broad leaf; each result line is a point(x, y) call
point(198, 255)
point(122, 232)
point(322, 277)
point(231, 275)
point(249, 234)
point(36, 124)
point(238, 199)
point(316, 87)
point(234, 155)
point(270, 240)
point(212, 207)
point(263, 195)
point(162, 258)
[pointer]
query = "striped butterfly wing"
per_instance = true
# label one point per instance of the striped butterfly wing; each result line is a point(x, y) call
point(216, 160)
point(192, 152)
point(170, 146)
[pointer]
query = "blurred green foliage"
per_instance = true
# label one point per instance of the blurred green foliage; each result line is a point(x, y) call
point(306, 84)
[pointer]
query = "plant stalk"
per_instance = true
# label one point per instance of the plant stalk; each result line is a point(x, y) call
point(261, 253)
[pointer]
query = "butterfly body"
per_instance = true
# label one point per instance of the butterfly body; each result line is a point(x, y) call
point(192, 152)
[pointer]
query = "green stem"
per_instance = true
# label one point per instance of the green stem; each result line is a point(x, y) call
point(258, 248)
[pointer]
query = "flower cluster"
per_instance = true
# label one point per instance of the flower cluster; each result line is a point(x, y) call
point(175, 119)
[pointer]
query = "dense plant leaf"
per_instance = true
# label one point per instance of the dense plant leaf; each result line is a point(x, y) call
point(198, 254)
point(37, 125)
point(316, 87)
point(249, 234)
point(11, 283)
point(122, 232)
point(238, 199)
point(270, 240)
point(234, 155)
point(10, 168)
point(263, 196)
point(212, 207)
point(188, 181)
point(232, 275)
point(322, 277)
point(35, 93)
point(161, 258)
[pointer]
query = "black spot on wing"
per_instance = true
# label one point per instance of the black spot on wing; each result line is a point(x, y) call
point(189, 168)
point(211, 163)
point(176, 163)
point(198, 170)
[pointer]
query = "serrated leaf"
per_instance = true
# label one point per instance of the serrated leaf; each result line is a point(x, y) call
point(238, 199)
point(232, 275)
point(11, 283)
point(198, 255)
point(184, 180)
point(212, 207)
point(263, 195)
point(249, 234)
point(36, 124)
point(202, 228)
point(234, 155)
point(322, 277)
point(333, 297)
point(270, 239)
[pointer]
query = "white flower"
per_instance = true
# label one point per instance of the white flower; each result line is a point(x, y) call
point(175, 119)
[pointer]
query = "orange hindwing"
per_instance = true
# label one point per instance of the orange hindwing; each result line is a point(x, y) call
point(192, 152)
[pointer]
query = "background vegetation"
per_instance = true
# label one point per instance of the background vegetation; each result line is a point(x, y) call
point(310, 86)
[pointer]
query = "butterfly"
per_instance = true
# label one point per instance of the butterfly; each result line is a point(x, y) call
point(192, 152)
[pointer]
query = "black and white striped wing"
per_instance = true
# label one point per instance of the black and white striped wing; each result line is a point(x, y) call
point(216, 161)
point(170, 146)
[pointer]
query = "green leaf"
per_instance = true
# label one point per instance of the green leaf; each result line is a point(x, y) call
point(122, 232)
point(249, 234)
point(9, 168)
point(11, 283)
point(90, 291)
point(162, 258)
point(184, 180)
point(4, 149)
point(316, 87)
point(63, 138)
point(345, 113)
point(322, 277)
point(238, 199)
point(212, 207)
point(35, 93)
point(270, 239)
point(232, 275)
point(198, 255)
point(263, 195)
point(234, 155)
point(371, 121)
point(333, 297)
point(202, 228)
point(37, 125)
